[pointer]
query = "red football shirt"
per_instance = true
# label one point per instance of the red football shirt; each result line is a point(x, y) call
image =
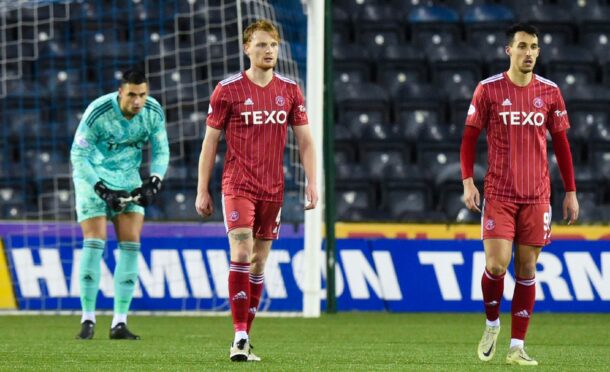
point(255, 120)
point(517, 119)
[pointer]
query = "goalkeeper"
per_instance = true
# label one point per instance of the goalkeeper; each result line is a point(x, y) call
point(106, 156)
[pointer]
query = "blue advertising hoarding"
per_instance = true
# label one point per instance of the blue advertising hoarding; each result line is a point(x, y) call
point(189, 273)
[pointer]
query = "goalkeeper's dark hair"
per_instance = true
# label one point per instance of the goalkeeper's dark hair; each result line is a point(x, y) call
point(133, 76)
point(517, 27)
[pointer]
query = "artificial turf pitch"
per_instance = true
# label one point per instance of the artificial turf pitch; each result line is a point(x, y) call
point(341, 342)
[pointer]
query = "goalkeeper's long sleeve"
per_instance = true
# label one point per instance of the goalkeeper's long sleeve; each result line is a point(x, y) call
point(160, 149)
point(82, 147)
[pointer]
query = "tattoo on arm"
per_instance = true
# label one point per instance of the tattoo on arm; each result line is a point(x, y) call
point(241, 236)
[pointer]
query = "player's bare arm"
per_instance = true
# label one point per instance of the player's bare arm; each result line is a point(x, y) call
point(307, 152)
point(204, 203)
point(472, 198)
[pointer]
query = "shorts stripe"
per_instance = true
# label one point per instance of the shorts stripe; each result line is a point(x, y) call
point(482, 217)
point(224, 214)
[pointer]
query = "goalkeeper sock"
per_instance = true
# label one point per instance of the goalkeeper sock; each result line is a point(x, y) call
point(493, 288)
point(239, 294)
point(118, 318)
point(256, 290)
point(522, 307)
point(89, 275)
point(125, 276)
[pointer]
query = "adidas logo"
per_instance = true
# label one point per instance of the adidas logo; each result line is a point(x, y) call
point(252, 310)
point(491, 303)
point(248, 102)
point(241, 295)
point(507, 102)
point(522, 314)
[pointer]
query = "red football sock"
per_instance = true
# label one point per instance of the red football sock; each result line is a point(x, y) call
point(239, 294)
point(523, 306)
point(493, 288)
point(256, 290)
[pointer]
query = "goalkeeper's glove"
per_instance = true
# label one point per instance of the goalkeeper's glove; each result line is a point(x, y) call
point(116, 199)
point(145, 195)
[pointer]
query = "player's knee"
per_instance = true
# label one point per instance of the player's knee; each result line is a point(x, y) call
point(241, 255)
point(527, 270)
point(496, 268)
point(259, 258)
point(257, 264)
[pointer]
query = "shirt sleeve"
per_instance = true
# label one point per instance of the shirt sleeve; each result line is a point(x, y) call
point(298, 112)
point(478, 111)
point(558, 115)
point(83, 147)
point(219, 110)
point(159, 146)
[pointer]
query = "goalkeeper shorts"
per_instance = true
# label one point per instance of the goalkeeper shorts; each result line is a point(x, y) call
point(89, 204)
point(263, 217)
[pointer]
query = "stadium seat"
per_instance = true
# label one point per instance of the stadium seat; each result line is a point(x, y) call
point(437, 156)
point(355, 201)
point(292, 210)
point(351, 64)
point(366, 103)
point(570, 64)
point(370, 130)
point(398, 65)
point(588, 110)
point(451, 202)
point(459, 63)
point(344, 152)
point(378, 25)
point(432, 26)
point(177, 172)
point(47, 164)
point(484, 27)
point(554, 23)
point(178, 203)
point(486, 14)
point(407, 200)
point(600, 157)
point(417, 105)
point(385, 160)
point(57, 204)
point(459, 97)
point(342, 29)
point(350, 172)
point(354, 6)
point(590, 197)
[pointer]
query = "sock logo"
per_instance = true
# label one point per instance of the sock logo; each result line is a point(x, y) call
point(252, 310)
point(491, 303)
point(241, 295)
point(522, 314)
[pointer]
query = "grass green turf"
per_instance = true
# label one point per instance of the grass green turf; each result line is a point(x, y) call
point(346, 341)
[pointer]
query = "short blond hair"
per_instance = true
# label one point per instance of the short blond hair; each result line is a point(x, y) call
point(261, 25)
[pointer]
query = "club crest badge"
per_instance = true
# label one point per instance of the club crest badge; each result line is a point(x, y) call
point(490, 225)
point(234, 216)
point(538, 102)
point(279, 100)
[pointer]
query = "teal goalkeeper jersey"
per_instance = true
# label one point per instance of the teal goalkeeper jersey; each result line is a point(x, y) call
point(108, 147)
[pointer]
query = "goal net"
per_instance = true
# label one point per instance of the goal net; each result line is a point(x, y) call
point(55, 58)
